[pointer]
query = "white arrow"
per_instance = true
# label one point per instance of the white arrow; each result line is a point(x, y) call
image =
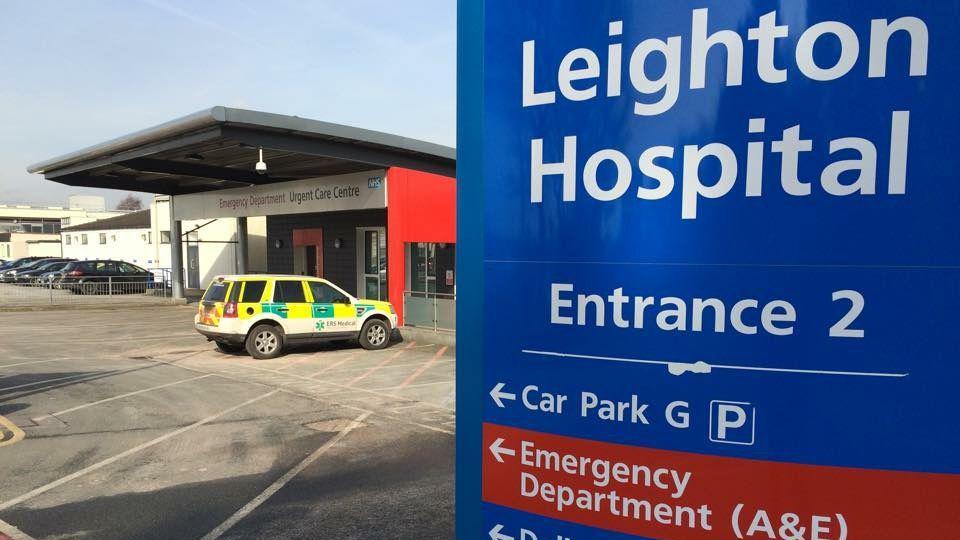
point(498, 451)
point(498, 394)
point(495, 533)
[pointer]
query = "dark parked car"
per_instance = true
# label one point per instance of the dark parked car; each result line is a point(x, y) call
point(29, 276)
point(13, 263)
point(103, 277)
point(27, 263)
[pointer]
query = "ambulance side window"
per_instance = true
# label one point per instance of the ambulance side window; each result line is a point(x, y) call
point(216, 292)
point(234, 292)
point(325, 294)
point(253, 291)
point(289, 292)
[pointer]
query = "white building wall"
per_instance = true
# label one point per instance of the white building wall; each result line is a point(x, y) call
point(131, 245)
point(215, 241)
point(44, 248)
point(257, 245)
point(20, 245)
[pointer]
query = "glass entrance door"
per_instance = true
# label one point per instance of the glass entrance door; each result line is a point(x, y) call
point(372, 263)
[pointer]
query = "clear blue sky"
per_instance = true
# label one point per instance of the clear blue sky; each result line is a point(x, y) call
point(77, 73)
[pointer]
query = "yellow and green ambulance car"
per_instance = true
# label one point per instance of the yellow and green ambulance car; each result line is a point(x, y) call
point(263, 313)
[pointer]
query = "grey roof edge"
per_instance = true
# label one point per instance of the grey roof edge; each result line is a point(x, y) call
point(318, 127)
point(130, 220)
point(220, 115)
point(184, 124)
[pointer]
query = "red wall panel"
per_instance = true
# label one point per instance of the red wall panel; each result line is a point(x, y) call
point(421, 207)
point(311, 237)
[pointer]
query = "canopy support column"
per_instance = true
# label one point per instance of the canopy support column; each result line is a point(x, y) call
point(242, 246)
point(176, 253)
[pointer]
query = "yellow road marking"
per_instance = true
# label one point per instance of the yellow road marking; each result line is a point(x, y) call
point(16, 434)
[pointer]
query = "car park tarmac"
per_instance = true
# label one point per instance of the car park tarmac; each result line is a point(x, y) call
point(134, 426)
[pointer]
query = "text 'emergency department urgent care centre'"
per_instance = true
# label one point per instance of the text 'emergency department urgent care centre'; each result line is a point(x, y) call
point(371, 212)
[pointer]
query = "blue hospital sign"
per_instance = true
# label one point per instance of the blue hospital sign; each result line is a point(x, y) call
point(717, 246)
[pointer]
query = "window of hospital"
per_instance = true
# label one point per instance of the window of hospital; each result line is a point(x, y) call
point(430, 268)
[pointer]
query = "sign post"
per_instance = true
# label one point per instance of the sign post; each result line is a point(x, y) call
point(711, 264)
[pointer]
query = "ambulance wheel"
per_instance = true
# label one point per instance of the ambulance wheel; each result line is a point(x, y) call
point(228, 348)
point(374, 335)
point(265, 341)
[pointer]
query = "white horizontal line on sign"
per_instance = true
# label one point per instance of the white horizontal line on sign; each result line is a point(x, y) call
point(679, 368)
point(735, 265)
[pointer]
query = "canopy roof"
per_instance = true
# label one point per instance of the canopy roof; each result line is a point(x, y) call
point(218, 147)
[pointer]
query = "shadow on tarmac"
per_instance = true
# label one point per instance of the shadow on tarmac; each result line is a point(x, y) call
point(399, 489)
point(33, 383)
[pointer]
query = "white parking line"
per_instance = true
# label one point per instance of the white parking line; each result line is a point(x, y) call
point(418, 385)
point(336, 385)
point(347, 370)
point(426, 365)
point(435, 428)
point(122, 340)
point(12, 532)
point(82, 377)
point(122, 358)
point(331, 366)
point(34, 362)
point(99, 465)
point(283, 480)
point(451, 397)
point(371, 370)
point(35, 383)
point(13, 330)
point(128, 394)
point(319, 355)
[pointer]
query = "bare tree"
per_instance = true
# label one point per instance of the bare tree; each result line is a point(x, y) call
point(130, 202)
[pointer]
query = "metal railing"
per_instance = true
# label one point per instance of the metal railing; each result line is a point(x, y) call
point(430, 310)
point(92, 290)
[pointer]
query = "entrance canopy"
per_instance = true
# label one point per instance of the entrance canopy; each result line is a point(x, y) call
point(217, 149)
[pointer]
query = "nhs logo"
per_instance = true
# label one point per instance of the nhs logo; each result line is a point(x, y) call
point(375, 182)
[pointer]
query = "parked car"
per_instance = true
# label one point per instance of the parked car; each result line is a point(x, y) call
point(50, 279)
point(13, 263)
point(263, 313)
point(29, 276)
point(27, 263)
point(105, 277)
point(6, 265)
